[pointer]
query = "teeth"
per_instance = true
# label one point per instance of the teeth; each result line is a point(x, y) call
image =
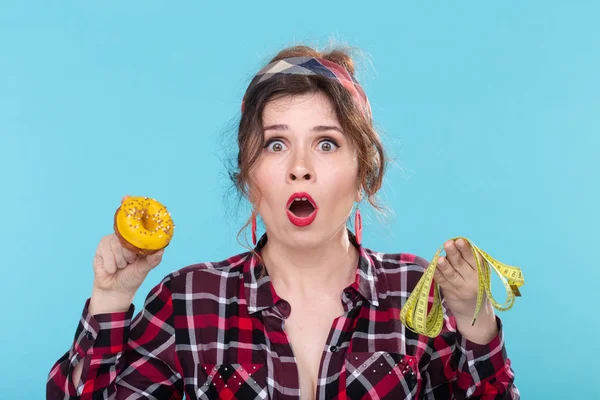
point(300, 199)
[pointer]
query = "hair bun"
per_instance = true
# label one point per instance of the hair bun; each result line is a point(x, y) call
point(342, 58)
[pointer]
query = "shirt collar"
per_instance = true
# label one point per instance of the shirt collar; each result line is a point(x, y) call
point(260, 293)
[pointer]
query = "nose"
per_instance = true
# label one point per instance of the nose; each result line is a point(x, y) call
point(300, 169)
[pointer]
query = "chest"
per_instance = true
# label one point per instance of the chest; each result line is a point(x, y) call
point(307, 330)
point(314, 352)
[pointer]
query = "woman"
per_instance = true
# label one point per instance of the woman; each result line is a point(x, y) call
point(308, 313)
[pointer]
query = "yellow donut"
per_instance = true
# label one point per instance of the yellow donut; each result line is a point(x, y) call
point(143, 225)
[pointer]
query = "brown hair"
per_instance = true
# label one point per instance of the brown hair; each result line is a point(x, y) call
point(356, 126)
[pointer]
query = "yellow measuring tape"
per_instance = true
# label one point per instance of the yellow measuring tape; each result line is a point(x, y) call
point(414, 313)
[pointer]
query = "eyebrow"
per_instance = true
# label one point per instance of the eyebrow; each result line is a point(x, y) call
point(318, 128)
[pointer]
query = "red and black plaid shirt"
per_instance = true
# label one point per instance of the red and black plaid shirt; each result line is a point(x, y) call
point(215, 330)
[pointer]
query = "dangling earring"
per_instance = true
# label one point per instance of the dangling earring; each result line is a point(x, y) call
point(254, 228)
point(358, 226)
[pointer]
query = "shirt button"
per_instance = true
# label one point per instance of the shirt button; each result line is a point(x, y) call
point(89, 335)
point(333, 349)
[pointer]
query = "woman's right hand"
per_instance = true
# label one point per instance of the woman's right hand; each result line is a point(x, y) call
point(118, 273)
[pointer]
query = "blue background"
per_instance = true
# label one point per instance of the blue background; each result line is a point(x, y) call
point(491, 112)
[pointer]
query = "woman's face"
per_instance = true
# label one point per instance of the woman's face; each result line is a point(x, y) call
point(306, 152)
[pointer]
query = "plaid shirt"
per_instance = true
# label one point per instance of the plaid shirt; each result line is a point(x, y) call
point(215, 330)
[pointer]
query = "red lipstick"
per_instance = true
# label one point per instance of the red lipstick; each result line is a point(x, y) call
point(303, 204)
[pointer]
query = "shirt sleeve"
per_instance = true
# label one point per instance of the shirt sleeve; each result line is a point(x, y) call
point(122, 356)
point(460, 369)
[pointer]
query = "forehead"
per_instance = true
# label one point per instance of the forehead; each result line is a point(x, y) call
point(304, 109)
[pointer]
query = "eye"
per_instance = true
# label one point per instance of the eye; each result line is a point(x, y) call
point(275, 146)
point(328, 145)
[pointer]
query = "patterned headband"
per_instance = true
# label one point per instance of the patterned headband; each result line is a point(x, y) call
point(313, 66)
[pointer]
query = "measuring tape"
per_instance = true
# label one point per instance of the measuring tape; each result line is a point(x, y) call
point(414, 313)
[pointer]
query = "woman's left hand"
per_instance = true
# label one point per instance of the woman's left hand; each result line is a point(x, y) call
point(457, 276)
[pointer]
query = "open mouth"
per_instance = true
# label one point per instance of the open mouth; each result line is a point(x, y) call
point(301, 207)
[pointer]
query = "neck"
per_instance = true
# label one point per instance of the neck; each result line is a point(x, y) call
point(330, 266)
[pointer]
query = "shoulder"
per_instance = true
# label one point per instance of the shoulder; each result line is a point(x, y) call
point(397, 271)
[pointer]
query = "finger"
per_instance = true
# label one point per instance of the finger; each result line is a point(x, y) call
point(457, 260)
point(125, 198)
point(154, 259)
point(439, 277)
point(459, 263)
point(452, 252)
point(466, 252)
point(117, 250)
point(108, 260)
point(129, 255)
point(147, 263)
point(449, 272)
point(98, 260)
point(453, 256)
